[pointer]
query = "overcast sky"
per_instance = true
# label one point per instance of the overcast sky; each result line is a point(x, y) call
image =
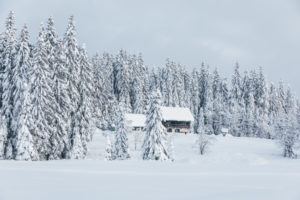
point(255, 33)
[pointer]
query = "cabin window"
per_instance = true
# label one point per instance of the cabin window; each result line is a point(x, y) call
point(177, 130)
point(169, 130)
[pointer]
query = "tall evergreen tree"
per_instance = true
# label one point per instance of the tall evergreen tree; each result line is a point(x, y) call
point(236, 92)
point(7, 90)
point(194, 101)
point(121, 79)
point(3, 137)
point(72, 63)
point(121, 140)
point(24, 142)
point(83, 115)
point(155, 140)
point(60, 136)
point(41, 98)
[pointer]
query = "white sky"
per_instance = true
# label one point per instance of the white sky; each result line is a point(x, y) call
point(219, 32)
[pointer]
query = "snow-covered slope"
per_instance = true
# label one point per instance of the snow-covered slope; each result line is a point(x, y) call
point(233, 169)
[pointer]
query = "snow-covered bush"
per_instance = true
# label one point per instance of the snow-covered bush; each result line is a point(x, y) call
point(204, 140)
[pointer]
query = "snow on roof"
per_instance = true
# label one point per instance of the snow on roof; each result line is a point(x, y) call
point(224, 130)
point(168, 114)
point(176, 114)
point(135, 120)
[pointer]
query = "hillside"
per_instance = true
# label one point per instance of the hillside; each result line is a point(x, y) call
point(234, 168)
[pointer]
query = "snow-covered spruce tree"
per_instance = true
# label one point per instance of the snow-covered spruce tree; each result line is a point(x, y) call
point(8, 65)
point(177, 86)
point(57, 65)
point(100, 93)
point(72, 63)
point(42, 102)
point(24, 143)
point(51, 42)
point(194, 101)
point(60, 138)
point(167, 81)
point(155, 139)
point(83, 116)
point(274, 104)
point(2, 45)
point(146, 84)
point(154, 80)
point(109, 154)
point(287, 133)
point(236, 103)
point(281, 95)
point(203, 140)
point(3, 135)
point(86, 88)
point(206, 96)
point(121, 140)
point(248, 118)
point(236, 88)
point(187, 88)
point(121, 79)
point(287, 126)
point(137, 83)
point(217, 115)
point(236, 111)
point(104, 97)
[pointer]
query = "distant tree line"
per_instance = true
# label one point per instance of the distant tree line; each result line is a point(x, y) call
point(52, 94)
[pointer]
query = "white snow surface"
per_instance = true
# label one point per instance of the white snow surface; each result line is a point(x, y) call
point(135, 120)
point(176, 114)
point(233, 169)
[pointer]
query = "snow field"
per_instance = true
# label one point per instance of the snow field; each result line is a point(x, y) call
point(233, 169)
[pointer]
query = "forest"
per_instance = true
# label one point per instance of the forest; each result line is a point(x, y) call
point(53, 94)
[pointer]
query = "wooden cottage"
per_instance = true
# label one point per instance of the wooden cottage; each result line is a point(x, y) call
point(175, 119)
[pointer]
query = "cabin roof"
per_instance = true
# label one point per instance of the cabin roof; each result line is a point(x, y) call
point(135, 120)
point(168, 114)
point(176, 114)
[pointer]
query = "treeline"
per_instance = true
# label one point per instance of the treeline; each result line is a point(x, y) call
point(45, 94)
point(52, 95)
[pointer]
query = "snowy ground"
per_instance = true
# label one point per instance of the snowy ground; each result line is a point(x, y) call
point(234, 168)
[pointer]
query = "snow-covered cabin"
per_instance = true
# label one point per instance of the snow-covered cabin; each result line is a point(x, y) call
point(135, 122)
point(175, 119)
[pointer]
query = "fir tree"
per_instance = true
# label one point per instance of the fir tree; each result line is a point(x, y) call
point(72, 62)
point(155, 140)
point(194, 102)
point(25, 149)
point(3, 137)
point(41, 99)
point(60, 137)
point(82, 119)
point(288, 134)
point(7, 90)
point(121, 141)
point(121, 79)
